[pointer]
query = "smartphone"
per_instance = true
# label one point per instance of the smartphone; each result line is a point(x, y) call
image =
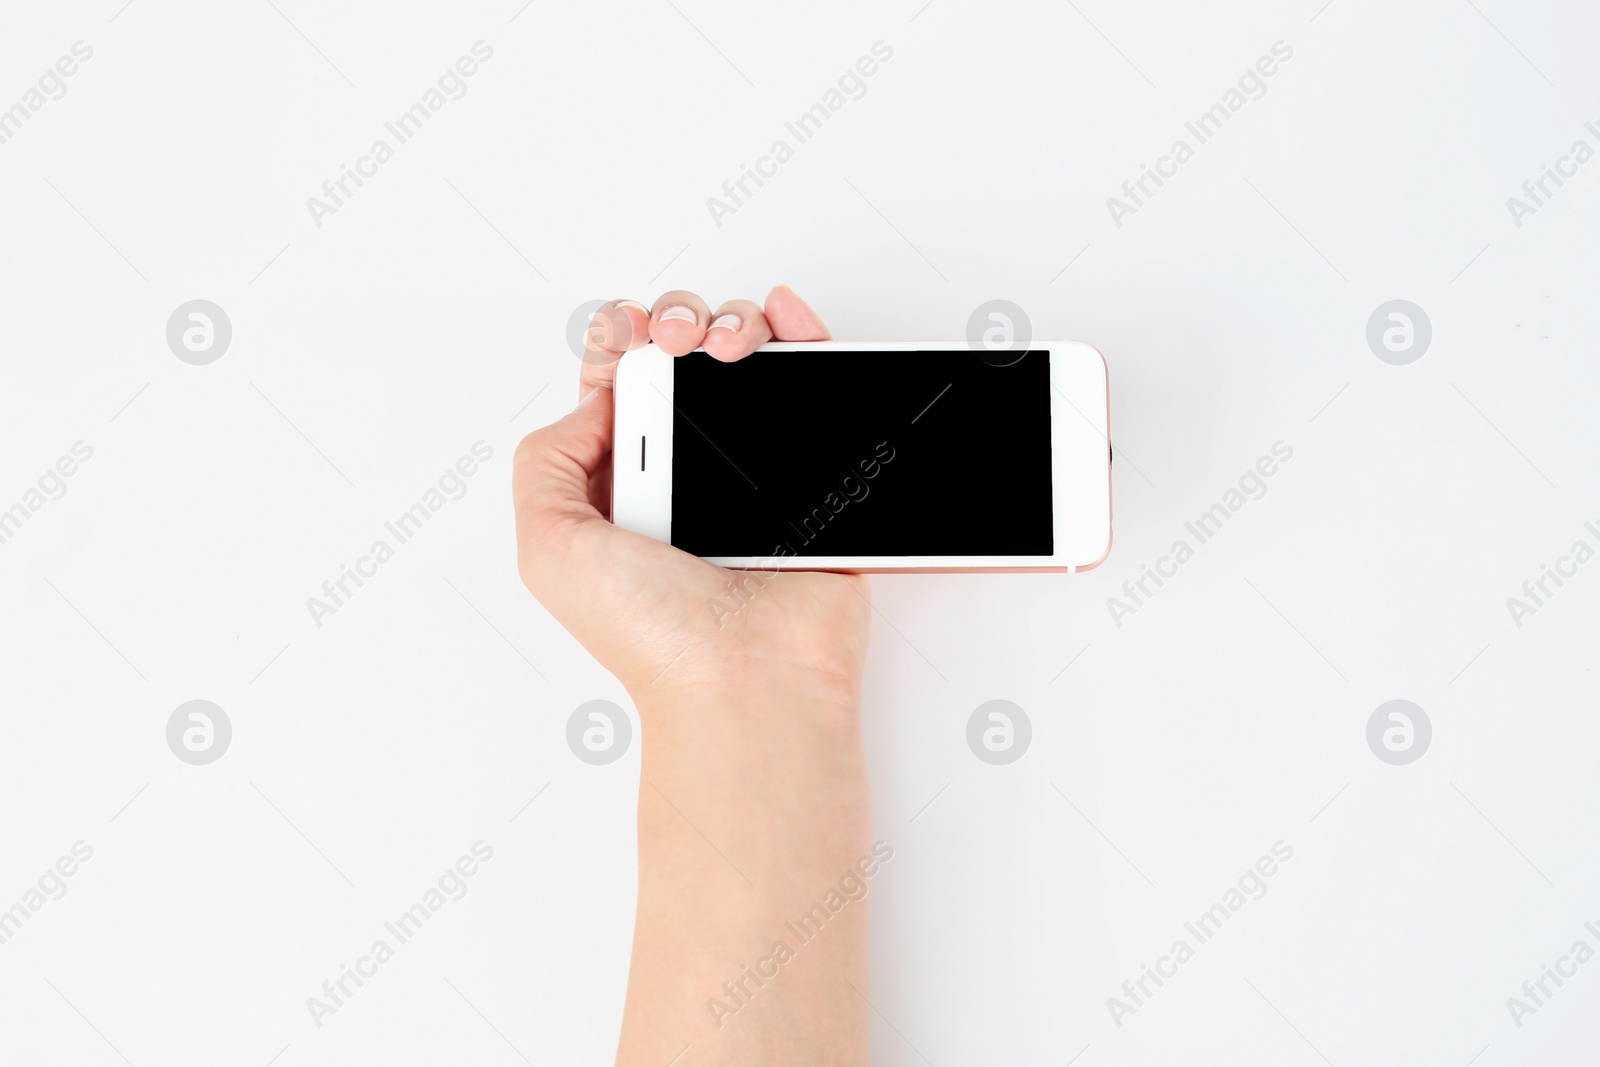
point(869, 456)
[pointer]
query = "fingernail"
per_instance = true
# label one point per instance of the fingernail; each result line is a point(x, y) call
point(631, 304)
point(589, 396)
point(729, 321)
point(678, 313)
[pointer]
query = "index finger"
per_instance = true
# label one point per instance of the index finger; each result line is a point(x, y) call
point(618, 326)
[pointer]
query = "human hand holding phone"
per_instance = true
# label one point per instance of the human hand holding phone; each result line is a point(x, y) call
point(753, 795)
point(639, 605)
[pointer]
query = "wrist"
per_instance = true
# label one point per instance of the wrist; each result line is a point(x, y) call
point(748, 687)
point(751, 761)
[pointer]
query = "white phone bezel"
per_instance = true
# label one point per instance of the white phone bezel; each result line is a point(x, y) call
point(1080, 451)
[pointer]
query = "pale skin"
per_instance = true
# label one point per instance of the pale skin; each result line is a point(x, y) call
point(753, 799)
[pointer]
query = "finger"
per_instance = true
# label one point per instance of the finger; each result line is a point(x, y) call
point(618, 326)
point(678, 322)
point(737, 329)
point(552, 478)
point(792, 319)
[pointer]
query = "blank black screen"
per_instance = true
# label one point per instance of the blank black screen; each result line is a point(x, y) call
point(902, 453)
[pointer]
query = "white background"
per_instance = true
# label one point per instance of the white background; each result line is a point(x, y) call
point(430, 312)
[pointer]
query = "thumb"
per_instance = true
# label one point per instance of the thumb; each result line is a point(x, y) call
point(559, 470)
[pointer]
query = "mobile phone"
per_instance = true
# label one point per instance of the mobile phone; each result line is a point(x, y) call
point(869, 456)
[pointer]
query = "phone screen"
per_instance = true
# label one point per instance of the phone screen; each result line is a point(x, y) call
point(905, 453)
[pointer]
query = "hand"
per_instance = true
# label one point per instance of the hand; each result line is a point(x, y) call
point(643, 608)
point(752, 766)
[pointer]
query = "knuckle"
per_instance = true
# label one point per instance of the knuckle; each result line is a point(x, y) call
point(528, 451)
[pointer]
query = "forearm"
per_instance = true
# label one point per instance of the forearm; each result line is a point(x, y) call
point(753, 808)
